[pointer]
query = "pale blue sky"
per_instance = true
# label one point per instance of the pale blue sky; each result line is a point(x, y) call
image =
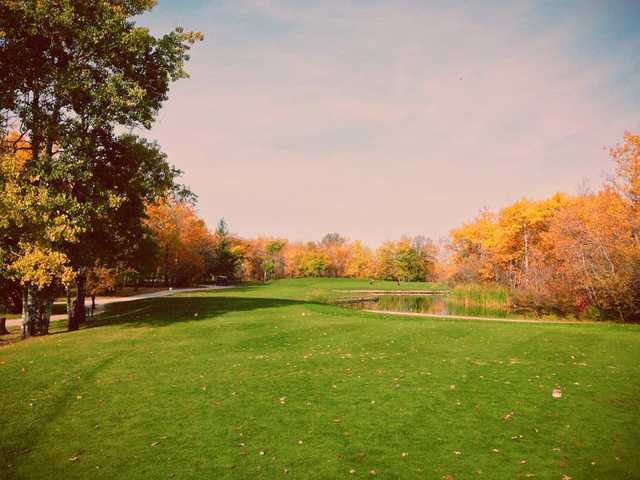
point(377, 119)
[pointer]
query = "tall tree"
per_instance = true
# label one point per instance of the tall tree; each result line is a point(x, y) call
point(273, 263)
point(72, 73)
point(226, 258)
point(183, 240)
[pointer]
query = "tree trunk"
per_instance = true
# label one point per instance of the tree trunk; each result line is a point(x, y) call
point(36, 311)
point(3, 326)
point(526, 254)
point(166, 266)
point(79, 312)
point(44, 314)
point(28, 312)
point(73, 324)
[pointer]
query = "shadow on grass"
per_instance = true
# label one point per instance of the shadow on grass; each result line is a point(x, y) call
point(170, 310)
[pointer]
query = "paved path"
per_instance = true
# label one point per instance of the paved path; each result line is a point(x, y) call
point(465, 317)
point(101, 302)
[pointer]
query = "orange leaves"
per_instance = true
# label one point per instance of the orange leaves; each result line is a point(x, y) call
point(182, 238)
point(564, 254)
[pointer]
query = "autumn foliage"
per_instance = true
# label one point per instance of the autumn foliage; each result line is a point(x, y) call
point(577, 255)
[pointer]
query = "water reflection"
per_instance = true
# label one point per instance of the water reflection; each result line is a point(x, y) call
point(433, 304)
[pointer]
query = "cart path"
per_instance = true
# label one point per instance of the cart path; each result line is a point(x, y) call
point(101, 302)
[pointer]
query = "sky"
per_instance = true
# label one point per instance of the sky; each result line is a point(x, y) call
point(378, 119)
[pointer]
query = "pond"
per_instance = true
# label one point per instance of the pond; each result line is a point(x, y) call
point(436, 304)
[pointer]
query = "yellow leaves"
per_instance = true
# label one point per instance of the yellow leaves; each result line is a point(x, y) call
point(115, 201)
point(41, 267)
point(627, 158)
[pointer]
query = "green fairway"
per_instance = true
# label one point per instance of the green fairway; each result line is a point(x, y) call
point(273, 382)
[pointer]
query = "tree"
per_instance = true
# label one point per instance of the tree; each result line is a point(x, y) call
point(274, 263)
point(336, 249)
point(114, 200)
point(226, 253)
point(313, 262)
point(183, 241)
point(72, 73)
point(360, 262)
point(473, 249)
point(32, 221)
point(627, 180)
point(410, 259)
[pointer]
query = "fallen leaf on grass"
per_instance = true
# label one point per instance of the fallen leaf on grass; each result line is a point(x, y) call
point(508, 416)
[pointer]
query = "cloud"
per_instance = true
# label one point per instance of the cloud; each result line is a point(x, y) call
point(378, 120)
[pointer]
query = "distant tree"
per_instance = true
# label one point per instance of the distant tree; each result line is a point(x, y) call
point(227, 255)
point(333, 239)
point(273, 261)
point(409, 259)
point(183, 241)
point(361, 262)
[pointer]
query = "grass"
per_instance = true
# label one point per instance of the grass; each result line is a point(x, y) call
point(267, 382)
point(487, 294)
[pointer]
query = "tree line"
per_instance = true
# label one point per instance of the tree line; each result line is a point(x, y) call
point(85, 207)
point(566, 254)
point(569, 255)
point(189, 253)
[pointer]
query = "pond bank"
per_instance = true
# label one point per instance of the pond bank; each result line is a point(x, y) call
point(485, 319)
point(397, 292)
